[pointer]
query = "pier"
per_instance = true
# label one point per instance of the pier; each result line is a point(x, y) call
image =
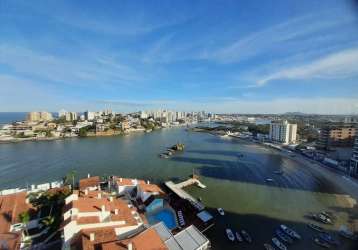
point(178, 190)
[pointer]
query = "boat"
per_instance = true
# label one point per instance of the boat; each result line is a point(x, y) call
point(165, 156)
point(238, 237)
point(321, 243)
point(269, 180)
point(328, 238)
point(283, 236)
point(321, 218)
point(327, 214)
point(246, 236)
point(278, 244)
point(290, 232)
point(346, 233)
point(221, 211)
point(315, 227)
point(278, 172)
point(268, 247)
point(230, 235)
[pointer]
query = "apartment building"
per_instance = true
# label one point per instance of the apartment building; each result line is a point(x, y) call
point(336, 135)
point(283, 132)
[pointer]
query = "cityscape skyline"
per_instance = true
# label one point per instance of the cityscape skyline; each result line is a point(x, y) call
point(214, 56)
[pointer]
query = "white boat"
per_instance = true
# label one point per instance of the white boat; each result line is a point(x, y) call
point(278, 244)
point(290, 232)
point(238, 237)
point(221, 211)
point(246, 236)
point(230, 235)
point(269, 179)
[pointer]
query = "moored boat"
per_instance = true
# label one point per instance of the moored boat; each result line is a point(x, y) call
point(290, 232)
point(321, 243)
point(230, 235)
point(278, 244)
point(268, 247)
point(346, 233)
point(246, 236)
point(269, 179)
point(328, 238)
point(221, 211)
point(278, 172)
point(315, 227)
point(283, 236)
point(238, 237)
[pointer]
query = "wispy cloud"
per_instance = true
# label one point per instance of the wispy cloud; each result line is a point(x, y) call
point(338, 65)
point(290, 36)
point(101, 70)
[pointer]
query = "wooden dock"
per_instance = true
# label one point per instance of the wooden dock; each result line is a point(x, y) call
point(178, 190)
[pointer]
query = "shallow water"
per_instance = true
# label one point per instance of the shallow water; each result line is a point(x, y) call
point(234, 182)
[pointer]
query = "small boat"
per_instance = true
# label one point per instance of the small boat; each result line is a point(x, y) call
point(269, 179)
point(230, 235)
point(283, 236)
point(238, 237)
point(315, 227)
point(327, 214)
point(290, 232)
point(246, 236)
point(328, 238)
point(321, 218)
point(278, 172)
point(268, 247)
point(346, 233)
point(321, 243)
point(164, 156)
point(278, 244)
point(221, 211)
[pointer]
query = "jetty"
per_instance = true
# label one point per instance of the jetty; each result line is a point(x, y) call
point(178, 190)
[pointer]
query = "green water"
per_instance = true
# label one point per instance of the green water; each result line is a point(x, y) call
point(233, 182)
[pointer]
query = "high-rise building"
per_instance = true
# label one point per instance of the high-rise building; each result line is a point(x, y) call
point(71, 116)
point(62, 113)
point(39, 116)
point(354, 159)
point(90, 115)
point(283, 132)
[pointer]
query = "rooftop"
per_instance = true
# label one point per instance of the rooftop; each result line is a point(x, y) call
point(89, 182)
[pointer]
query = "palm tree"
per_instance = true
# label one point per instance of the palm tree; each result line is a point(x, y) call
point(70, 177)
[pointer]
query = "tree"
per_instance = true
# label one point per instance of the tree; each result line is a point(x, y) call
point(83, 132)
point(25, 218)
point(70, 177)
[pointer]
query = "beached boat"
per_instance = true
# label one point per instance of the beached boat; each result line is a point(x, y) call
point(238, 237)
point(283, 236)
point(329, 239)
point(315, 227)
point(290, 232)
point(278, 172)
point(230, 235)
point(221, 211)
point(268, 247)
point(321, 243)
point(278, 244)
point(246, 236)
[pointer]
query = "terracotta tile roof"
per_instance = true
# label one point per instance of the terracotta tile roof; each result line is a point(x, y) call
point(87, 220)
point(93, 204)
point(89, 182)
point(12, 241)
point(147, 240)
point(101, 235)
point(128, 182)
point(11, 206)
point(151, 188)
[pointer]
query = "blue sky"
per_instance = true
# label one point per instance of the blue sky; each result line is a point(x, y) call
point(220, 56)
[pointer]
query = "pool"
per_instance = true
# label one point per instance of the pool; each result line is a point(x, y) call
point(165, 215)
point(156, 204)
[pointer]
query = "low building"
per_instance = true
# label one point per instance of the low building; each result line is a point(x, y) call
point(90, 183)
point(94, 211)
point(11, 228)
point(336, 135)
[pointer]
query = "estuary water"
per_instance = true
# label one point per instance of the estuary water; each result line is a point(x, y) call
point(233, 170)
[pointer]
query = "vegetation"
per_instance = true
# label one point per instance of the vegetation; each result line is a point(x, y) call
point(259, 129)
point(24, 217)
point(69, 179)
point(83, 132)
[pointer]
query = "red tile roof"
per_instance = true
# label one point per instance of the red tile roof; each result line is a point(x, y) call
point(89, 182)
point(150, 188)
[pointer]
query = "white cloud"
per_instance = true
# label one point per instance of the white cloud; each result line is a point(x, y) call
point(337, 65)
